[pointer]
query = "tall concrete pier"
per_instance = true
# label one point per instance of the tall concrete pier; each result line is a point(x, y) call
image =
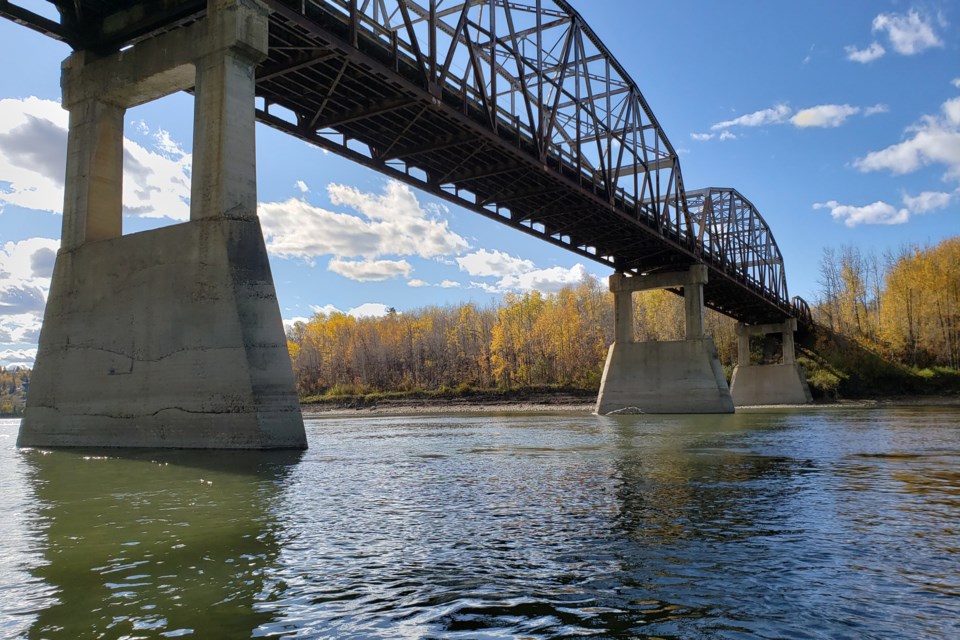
point(173, 337)
point(681, 376)
point(766, 384)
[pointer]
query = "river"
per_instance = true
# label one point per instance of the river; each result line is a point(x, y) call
point(820, 523)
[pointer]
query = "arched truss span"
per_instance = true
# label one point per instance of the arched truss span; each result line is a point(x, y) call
point(732, 236)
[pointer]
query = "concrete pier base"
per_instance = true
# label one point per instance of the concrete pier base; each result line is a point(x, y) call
point(769, 384)
point(682, 376)
point(167, 338)
point(173, 337)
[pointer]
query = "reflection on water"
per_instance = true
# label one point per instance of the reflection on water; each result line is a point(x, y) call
point(148, 544)
point(814, 524)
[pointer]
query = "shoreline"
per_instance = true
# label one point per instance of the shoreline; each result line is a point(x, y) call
point(563, 403)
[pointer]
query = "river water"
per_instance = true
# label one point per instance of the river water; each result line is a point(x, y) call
point(822, 523)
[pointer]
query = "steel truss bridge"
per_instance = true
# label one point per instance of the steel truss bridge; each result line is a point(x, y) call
point(514, 109)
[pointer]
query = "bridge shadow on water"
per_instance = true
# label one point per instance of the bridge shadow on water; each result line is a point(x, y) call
point(153, 543)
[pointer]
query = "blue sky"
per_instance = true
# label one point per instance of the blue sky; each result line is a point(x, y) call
point(840, 121)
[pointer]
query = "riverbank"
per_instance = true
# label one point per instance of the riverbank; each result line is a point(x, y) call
point(545, 403)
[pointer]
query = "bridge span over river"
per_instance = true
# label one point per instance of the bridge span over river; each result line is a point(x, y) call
point(512, 109)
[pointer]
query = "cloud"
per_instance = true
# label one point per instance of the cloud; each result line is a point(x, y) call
point(546, 280)
point(325, 310)
point(909, 34)
point(17, 358)
point(702, 137)
point(417, 283)
point(824, 115)
point(370, 270)
point(25, 271)
point(877, 213)
point(775, 115)
point(927, 201)
point(493, 263)
point(369, 310)
point(288, 323)
point(934, 140)
point(449, 284)
point(391, 223)
point(302, 186)
point(955, 82)
point(485, 286)
point(875, 109)
point(33, 150)
point(863, 56)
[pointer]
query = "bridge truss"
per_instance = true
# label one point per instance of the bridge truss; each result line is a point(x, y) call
point(511, 108)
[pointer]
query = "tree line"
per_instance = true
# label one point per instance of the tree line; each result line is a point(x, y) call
point(528, 340)
point(13, 391)
point(904, 305)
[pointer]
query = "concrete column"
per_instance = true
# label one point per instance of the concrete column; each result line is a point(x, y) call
point(693, 306)
point(789, 350)
point(224, 181)
point(743, 346)
point(622, 309)
point(93, 187)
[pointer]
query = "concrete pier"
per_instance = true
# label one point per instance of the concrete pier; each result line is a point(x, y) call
point(173, 337)
point(681, 376)
point(768, 384)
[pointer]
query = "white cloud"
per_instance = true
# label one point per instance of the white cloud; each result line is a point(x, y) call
point(934, 140)
point(25, 271)
point(546, 280)
point(392, 223)
point(326, 310)
point(417, 283)
point(863, 56)
point(951, 109)
point(33, 151)
point(485, 286)
point(956, 82)
point(493, 263)
point(877, 213)
point(726, 135)
point(824, 115)
point(927, 201)
point(33, 148)
point(775, 115)
point(449, 284)
point(909, 34)
point(289, 322)
point(702, 137)
point(302, 186)
point(17, 358)
point(370, 270)
point(875, 109)
point(369, 310)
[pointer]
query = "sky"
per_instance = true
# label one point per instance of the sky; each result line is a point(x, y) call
point(839, 121)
